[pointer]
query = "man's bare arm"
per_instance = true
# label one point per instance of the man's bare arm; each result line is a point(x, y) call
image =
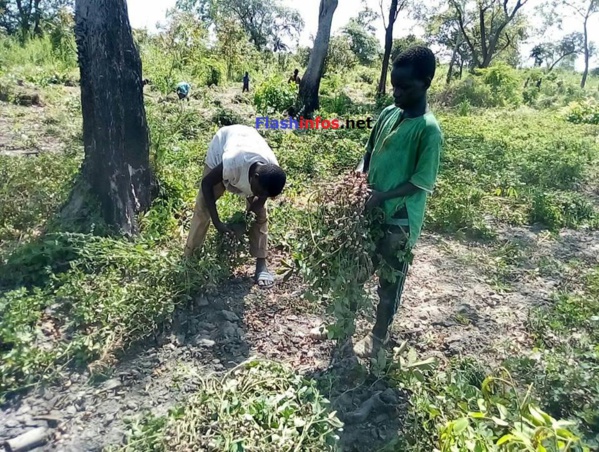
point(214, 177)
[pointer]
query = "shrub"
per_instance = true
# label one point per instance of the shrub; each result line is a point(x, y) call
point(275, 95)
point(583, 113)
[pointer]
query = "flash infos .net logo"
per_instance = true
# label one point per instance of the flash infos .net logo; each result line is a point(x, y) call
point(316, 123)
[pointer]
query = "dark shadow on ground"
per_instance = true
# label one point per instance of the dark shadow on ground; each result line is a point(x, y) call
point(371, 408)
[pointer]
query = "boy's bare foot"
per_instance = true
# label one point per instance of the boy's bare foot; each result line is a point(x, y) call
point(369, 346)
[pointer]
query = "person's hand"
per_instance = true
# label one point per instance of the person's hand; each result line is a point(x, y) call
point(224, 229)
point(375, 200)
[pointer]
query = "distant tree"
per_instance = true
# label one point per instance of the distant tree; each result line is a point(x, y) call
point(488, 27)
point(232, 43)
point(362, 41)
point(266, 22)
point(552, 53)
point(310, 84)
point(392, 9)
point(584, 9)
point(442, 28)
point(26, 18)
point(340, 56)
point(116, 166)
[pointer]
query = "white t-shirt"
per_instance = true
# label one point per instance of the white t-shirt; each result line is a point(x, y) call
point(238, 147)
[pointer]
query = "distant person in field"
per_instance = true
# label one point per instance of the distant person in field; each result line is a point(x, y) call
point(183, 90)
point(401, 164)
point(246, 83)
point(295, 78)
point(238, 160)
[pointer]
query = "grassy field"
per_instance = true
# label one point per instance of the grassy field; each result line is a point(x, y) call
point(75, 300)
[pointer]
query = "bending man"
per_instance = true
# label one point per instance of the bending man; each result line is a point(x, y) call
point(238, 160)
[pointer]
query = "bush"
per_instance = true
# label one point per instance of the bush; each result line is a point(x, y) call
point(275, 95)
point(214, 72)
point(497, 86)
point(583, 113)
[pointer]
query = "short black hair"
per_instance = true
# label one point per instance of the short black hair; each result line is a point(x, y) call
point(272, 178)
point(421, 59)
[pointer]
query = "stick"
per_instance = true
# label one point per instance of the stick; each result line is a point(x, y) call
point(32, 438)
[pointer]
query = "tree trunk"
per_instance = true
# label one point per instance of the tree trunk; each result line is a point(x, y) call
point(37, 18)
point(116, 168)
point(310, 84)
point(388, 47)
point(587, 55)
point(453, 58)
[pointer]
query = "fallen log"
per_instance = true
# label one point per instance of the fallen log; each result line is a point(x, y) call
point(28, 440)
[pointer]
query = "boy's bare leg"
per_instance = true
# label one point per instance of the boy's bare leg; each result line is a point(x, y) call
point(259, 248)
point(390, 293)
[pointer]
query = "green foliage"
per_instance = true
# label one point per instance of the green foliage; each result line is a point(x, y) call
point(214, 72)
point(340, 57)
point(31, 189)
point(492, 169)
point(275, 95)
point(461, 409)
point(96, 296)
point(564, 368)
point(583, 113)
point(504, 83)
point(497, 86)
point(364, 45)
point(259, 405)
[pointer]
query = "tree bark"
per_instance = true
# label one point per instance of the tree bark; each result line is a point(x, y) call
point(393, 12)
point(587, 55)
point(454, 55)
point(116, 168)
point(310, 84)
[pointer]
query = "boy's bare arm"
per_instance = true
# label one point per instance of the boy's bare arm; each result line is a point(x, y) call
point(378, 197)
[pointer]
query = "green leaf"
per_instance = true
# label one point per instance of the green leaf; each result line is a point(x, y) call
point(476, 415)
point(461, 424)
point(500, 422)
point(505, 439)
point(537, 418)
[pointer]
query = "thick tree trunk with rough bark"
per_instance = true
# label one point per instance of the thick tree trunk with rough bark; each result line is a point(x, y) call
point(310, 84)
point(116, 168)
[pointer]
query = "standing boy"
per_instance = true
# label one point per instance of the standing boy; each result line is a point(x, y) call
point(295, 78)
point(246, 83)
point(238, 160)
point(401, 163)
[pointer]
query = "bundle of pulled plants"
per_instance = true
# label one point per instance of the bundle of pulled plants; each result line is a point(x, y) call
point(335, 247)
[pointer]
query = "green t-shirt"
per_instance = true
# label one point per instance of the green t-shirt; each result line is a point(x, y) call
point(405, 150)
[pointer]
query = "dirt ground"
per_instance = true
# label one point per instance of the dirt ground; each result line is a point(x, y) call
point(453, 305)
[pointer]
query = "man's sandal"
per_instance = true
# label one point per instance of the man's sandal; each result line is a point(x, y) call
point(267, 279)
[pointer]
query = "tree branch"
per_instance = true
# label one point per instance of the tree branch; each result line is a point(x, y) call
point(463, 29)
